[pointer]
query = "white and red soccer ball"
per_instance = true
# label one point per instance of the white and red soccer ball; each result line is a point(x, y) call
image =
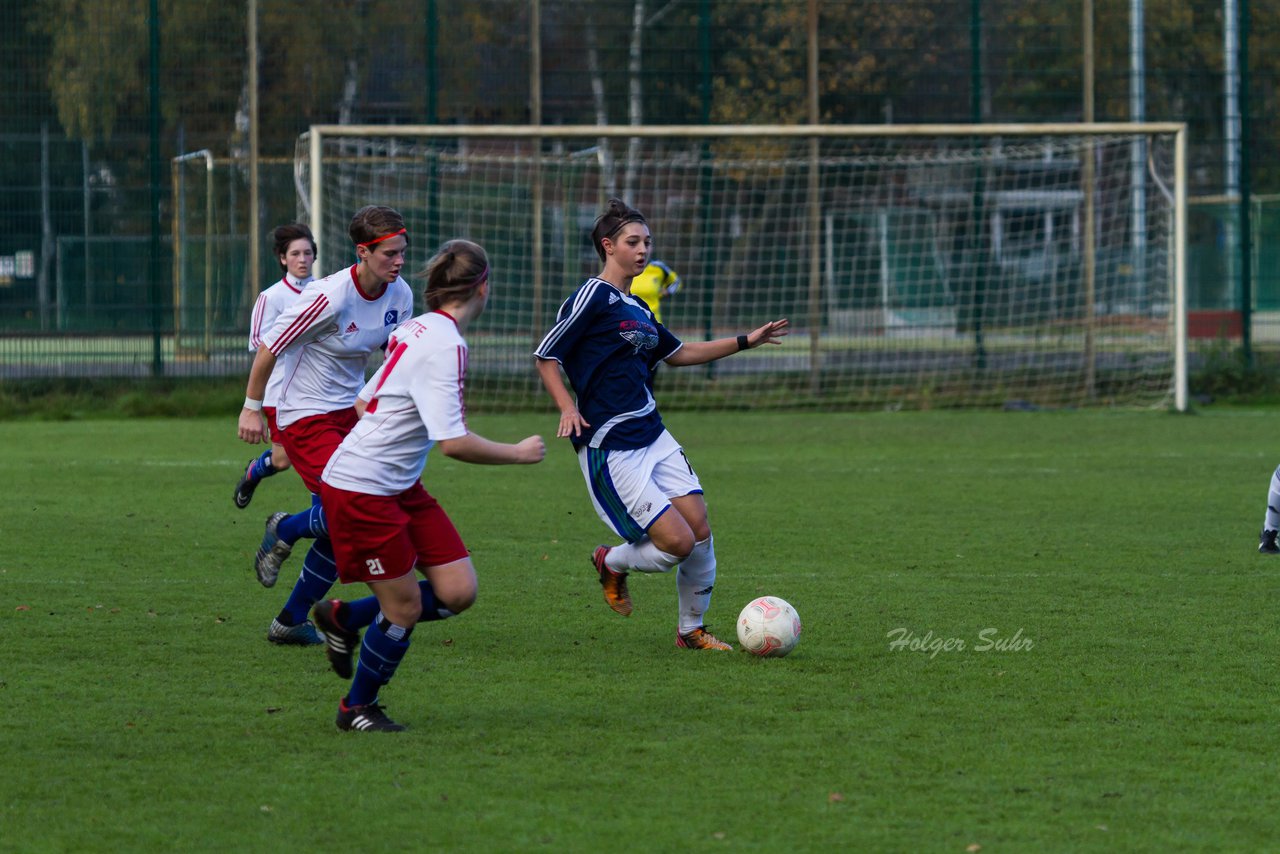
point(769, 627)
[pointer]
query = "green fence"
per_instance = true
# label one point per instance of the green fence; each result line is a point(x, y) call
point(79, 208)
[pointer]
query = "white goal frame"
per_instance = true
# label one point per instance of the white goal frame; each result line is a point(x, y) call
point(312, 199)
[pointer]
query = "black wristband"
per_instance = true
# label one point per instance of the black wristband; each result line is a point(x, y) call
point(742, 342)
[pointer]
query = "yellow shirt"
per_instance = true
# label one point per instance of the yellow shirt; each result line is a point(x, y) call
point(657, 281)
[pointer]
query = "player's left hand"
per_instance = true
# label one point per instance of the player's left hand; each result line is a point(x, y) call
point(771, 333)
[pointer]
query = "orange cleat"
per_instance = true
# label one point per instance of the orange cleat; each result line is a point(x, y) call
point(614, 583)
point(700, 638)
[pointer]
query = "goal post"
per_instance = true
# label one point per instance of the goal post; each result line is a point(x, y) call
point(920, 265)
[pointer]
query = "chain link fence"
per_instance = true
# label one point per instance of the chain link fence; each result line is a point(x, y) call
point(129, 244)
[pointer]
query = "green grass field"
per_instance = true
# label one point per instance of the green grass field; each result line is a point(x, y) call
point(1114, 554)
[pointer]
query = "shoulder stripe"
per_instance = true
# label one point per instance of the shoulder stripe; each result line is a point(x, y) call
point(255, 329)
point(300, 324)
point(576, 303)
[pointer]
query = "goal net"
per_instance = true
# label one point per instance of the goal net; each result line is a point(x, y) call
point(920, 266)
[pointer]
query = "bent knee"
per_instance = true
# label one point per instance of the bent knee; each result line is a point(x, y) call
point(679, 547)
point(457, 598)
point(280, 459)
point(405, 613)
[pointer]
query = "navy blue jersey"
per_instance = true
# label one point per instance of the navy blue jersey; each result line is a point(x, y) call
point(609, 345)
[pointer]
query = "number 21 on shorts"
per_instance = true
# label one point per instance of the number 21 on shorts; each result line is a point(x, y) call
point(374, 565)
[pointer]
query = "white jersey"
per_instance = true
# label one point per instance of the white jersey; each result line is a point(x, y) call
point(322, 342)
point(415, 400)
point(270, 304)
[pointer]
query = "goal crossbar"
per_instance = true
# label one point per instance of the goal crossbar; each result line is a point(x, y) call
point(1171, 184)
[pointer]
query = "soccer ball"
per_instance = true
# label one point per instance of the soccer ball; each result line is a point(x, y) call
point(769, 627)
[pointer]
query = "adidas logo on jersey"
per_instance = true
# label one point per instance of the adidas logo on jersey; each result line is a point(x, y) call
point(613, 298)
point(352, 328)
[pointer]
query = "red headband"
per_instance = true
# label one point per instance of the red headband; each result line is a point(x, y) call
point(484, 274)
point(383, 237)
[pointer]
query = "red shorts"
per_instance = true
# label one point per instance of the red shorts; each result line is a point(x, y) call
point(270, 413)
point(381, 537)
point(311, 441)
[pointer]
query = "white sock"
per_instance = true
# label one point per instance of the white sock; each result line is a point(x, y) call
point(694, 582)
point(1272, 520)
point(642, 556)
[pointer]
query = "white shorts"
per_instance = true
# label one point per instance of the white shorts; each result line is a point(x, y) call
point(631, 489)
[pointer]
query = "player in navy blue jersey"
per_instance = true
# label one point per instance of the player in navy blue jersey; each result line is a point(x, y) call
point(609, 344)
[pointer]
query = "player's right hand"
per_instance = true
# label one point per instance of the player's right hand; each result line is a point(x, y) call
point(531, 450)
point(571, 424)
point(252, 426)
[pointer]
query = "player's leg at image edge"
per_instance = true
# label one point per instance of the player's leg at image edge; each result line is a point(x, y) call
point(1267, 544)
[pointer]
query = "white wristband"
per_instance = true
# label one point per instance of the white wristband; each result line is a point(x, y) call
point(250, 403)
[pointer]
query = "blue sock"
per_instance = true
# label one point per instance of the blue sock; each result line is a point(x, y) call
point(358, 613)
point(319, 572)
point(381, 651)
point(261, 467)
point(309, 523)
point(431, 610)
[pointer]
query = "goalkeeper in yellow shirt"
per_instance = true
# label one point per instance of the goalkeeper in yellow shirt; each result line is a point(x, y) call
point(656, 283)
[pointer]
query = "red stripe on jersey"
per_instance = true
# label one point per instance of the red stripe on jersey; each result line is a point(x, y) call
point(255, 332)
point(462, 381)
point(397, 350)
point(300, 325)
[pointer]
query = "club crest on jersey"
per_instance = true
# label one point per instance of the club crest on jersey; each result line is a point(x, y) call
point(639, 335)
point(391, 317)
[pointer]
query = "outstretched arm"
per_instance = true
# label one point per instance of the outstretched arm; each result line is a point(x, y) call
point(701, 352)
point(252, 426)
point(571, 420)
point(474, 448)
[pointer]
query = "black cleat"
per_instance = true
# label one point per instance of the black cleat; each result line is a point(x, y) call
point(340, 643)
point(246, 486)
point(1267, 543)
point(368, 718)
